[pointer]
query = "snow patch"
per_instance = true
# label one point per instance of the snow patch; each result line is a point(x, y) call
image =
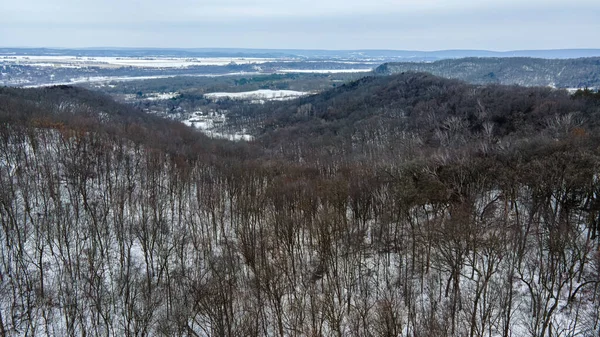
point(324, 71)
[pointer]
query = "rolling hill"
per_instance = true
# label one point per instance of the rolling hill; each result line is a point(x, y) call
point(560, 73)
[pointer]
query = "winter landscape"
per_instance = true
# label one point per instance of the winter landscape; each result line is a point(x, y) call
point(390, 168)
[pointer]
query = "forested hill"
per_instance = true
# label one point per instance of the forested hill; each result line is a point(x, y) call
point(76, 111)
point(561, 73)
point(406, 205)
point(382, 115)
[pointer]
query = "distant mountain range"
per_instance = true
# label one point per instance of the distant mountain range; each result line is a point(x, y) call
point(406, 55)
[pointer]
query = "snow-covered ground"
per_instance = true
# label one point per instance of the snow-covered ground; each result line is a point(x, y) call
point(324, 71)
point(263, 94)
point(135, 240)
point(211, 125)
point(106, 79)
point(103, 69)
point(157, 96)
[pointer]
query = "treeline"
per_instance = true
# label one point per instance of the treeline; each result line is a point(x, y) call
point(561, 73)
point(116, 223)
point(234, 83)
point(17, 75)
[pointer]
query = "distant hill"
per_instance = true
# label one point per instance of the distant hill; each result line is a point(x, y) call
point(361, 54)
point(561, 73)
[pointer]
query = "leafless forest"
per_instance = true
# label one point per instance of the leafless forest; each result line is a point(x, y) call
point(392, 206)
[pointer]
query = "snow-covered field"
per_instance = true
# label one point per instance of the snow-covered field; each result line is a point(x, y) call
point(263, 94)
point(106, 79)
point(324, 71)
point(157, 96)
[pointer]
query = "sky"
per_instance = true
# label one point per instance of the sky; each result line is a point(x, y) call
point(426, 25)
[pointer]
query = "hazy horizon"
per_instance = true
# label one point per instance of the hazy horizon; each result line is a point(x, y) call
point(208, 48)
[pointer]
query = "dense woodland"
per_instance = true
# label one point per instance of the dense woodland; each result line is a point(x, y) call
point(560, 73)
point(404, 205)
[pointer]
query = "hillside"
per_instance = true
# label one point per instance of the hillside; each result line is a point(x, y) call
point(390, 206)
point(560, 73)
point(380, 116)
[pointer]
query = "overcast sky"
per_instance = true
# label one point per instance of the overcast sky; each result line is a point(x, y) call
point(302, 24)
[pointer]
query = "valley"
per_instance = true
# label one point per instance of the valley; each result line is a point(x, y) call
point(34, 68)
